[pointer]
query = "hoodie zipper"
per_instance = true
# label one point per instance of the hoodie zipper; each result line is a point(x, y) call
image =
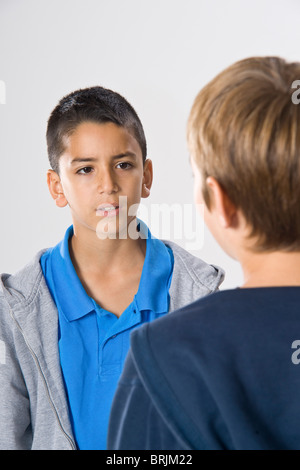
point(69, 439)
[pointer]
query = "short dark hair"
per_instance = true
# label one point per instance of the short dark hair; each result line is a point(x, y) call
point(94, 104)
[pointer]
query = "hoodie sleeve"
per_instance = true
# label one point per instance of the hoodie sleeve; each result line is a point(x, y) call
point(192, 278)
point(15, 422)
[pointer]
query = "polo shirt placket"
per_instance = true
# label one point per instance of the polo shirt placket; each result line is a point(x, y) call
point(93, 342)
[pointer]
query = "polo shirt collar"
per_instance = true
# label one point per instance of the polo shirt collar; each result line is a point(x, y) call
point(71, 296)
point(153, 291)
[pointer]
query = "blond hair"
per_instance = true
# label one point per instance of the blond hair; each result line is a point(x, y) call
point(244, 130)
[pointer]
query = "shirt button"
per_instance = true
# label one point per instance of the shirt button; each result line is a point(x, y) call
point(134, 310)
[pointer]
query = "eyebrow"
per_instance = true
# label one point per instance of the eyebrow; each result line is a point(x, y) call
point(92, 159)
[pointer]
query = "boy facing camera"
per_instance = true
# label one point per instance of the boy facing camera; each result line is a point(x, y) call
point(65, 319)
point(223, 372)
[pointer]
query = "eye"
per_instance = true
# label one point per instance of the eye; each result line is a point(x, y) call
point(85, 171)
point(124, 165)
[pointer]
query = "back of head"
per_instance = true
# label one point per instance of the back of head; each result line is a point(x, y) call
point(244, 130)
point(95, 104)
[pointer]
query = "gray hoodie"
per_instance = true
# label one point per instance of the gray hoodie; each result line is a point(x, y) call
point(33, 406)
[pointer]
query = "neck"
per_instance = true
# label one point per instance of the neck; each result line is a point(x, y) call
point(89, 253)
point(276, 268)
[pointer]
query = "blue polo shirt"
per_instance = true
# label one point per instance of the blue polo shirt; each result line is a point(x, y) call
point(93, 342)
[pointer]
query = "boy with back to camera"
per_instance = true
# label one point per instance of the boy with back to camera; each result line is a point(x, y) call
point(66, 317)
point(223, 372)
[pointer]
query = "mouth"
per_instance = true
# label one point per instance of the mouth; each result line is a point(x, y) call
point(107, 210)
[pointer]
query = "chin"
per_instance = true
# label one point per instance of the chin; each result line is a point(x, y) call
point(107, 228)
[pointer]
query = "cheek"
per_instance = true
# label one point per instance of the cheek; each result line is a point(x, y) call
point(134, 188)
point(78, 194)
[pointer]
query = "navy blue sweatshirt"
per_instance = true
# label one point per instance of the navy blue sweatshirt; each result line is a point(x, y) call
point(221, 373)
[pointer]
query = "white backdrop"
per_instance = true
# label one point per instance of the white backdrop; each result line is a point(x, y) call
point(157, 53)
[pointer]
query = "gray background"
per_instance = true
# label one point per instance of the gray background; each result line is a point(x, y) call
point(157, 53)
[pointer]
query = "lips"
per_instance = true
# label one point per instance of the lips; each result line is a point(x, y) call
point(107, 210)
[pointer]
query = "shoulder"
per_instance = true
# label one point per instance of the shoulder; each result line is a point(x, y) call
point(173, 345)
point(198, 323)
point(198, 271)
point(217, 320)
point(192, 277)
point(26, 306)
point(18, 294)
point(22, 286)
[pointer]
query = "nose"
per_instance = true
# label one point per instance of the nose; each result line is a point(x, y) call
point(106, 182)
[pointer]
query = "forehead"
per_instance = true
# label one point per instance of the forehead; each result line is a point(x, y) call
point(106, 140)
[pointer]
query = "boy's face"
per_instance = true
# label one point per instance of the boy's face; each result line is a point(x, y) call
point(101, 177)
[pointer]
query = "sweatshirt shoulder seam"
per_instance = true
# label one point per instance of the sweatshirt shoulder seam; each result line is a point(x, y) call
point(190, 270)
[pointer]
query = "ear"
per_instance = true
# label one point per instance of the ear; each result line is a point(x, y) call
point(226, 211)
point(55, 188)
point(147, 178)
